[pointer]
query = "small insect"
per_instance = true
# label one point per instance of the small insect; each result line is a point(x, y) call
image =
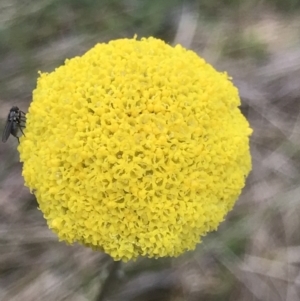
point(15, 122)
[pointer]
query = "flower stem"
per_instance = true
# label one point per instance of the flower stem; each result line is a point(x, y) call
point(109, 281)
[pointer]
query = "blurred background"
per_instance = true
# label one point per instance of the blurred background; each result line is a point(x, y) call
point(255, 254)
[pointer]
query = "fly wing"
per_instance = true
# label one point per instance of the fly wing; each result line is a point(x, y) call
point(7, 130)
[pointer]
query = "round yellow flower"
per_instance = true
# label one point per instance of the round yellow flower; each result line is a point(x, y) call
point(135, 148)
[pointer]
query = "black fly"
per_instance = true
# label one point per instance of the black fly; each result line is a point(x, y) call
point(15, 122)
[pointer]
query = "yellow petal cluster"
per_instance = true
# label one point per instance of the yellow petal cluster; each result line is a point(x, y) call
point(135, 148)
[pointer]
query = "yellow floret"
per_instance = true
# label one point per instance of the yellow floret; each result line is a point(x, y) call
point(135, 148)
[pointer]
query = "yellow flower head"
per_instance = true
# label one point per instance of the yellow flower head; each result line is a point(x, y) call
point(135, 148)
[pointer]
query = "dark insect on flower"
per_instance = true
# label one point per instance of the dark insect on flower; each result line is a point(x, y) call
point(15, 122)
